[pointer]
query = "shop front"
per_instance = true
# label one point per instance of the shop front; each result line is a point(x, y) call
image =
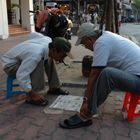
point(64, 5)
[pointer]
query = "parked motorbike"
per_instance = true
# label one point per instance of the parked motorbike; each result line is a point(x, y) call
point(56, 25)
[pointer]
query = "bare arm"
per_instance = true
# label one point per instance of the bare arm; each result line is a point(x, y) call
point(94, 74)
point(92, 80)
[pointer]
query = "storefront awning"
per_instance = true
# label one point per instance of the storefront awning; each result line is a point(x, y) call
point(127, 7)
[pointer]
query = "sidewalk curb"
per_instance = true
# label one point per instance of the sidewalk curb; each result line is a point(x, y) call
point(72, 84)
point(132, 38)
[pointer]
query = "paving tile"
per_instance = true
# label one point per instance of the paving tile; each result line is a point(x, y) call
point(20, 121)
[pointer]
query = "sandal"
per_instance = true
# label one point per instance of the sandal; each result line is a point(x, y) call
point(37, 103)
point(58, 91)
point(74, 122)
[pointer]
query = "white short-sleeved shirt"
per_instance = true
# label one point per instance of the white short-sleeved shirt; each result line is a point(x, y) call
point(29, 53)
point(113, 50)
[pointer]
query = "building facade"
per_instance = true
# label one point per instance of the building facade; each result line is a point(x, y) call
point(15, 12)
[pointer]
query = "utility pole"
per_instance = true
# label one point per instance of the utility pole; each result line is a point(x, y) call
point(78, 12)
point(85, 6)
point(78, 4)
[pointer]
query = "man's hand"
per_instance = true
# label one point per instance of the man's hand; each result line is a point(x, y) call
point(84, 111)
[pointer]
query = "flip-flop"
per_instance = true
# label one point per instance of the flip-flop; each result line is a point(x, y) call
point(62, 92)
point(74, 122)
point(58, 91)
point(37, 103)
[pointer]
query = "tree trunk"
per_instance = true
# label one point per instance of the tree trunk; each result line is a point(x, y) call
point(109, 16)
point(111, 19)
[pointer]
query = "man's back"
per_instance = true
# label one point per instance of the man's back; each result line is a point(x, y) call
point(34, 48)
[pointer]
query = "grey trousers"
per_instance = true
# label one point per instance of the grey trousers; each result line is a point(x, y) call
point(38, 77)
point(110, 79)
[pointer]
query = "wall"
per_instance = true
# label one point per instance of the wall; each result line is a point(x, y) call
point(26, 17)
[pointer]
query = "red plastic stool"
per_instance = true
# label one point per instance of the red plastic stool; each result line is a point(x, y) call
point(129, 106)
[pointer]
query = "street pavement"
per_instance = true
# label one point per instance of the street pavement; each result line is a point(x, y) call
point(20, 121)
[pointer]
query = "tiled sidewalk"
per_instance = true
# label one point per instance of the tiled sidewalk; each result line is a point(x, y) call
point(20, 121)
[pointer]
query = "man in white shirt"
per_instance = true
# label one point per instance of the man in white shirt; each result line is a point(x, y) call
point(116, 65)
point(28, 60)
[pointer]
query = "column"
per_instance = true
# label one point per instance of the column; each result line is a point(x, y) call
point(27, 19)
point(4, 33)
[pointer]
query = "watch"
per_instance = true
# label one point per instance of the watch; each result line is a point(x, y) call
point(85, 99)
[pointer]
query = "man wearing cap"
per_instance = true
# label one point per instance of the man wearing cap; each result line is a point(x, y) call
point(29, 59)
point(116, 65)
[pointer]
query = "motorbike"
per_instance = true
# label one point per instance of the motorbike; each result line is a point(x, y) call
point(56, 25)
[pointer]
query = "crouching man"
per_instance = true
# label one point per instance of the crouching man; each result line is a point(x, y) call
point(28, 60)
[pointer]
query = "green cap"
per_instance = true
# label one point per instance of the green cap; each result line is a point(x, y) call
point(62, 44)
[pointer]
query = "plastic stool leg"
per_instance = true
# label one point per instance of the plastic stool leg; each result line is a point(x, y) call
point(126, 101)
point(9, 87)
point(132, 107)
